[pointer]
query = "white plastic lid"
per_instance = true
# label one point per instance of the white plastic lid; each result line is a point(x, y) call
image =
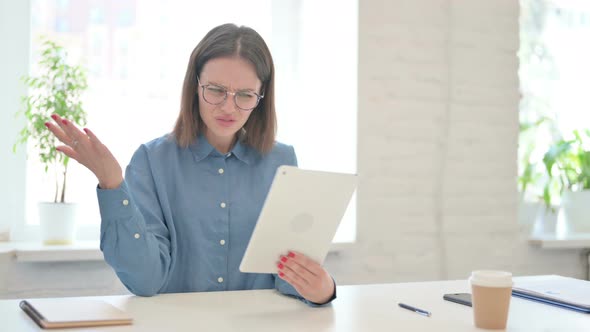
point(489, 278)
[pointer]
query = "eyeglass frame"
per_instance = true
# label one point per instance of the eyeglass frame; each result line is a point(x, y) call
point(203, 86)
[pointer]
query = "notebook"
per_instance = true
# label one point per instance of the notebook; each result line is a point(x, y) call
point(73, 312)
point(556, 290)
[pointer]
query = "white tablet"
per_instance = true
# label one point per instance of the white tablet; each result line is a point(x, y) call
point(301, 212)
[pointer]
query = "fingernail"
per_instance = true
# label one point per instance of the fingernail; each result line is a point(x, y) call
point(54, 117)
point(64, 121)
point(291, 254)
point(284, 259)
point(86, 130)
point(58, 149)
point(281, 274)
point(280, 265)
point(47, 124)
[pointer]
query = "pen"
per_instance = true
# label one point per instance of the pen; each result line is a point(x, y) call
point(414, 309)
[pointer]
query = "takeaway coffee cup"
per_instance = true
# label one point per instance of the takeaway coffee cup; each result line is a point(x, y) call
point(491, 291)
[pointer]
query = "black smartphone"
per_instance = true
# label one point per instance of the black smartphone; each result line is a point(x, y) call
point(461, 298)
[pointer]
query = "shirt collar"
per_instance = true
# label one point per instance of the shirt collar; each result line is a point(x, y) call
point(202, 149)
point(244, 153)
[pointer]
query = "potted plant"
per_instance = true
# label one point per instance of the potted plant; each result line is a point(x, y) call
point(57, 89)
point(567, 165)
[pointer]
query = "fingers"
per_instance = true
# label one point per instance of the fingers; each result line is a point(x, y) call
point(306, 276)
point(91, 136)
point(58, 132)
point(73, 137)
point(68, 151)
point(295, 271)
point(299, 269)
point(62, 137)
point(294, 281)
point(305, 262)
point(62, 129)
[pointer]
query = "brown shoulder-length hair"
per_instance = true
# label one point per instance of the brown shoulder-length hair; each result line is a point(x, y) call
point(229, 40)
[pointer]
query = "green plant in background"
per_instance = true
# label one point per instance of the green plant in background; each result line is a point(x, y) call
point(538, 73)
point(529, 171)
point(567, 163)
point(57, 89)
point(548, 163)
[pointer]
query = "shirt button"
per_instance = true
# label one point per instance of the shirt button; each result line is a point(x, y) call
point(222, 242)
point(228, 155)
point(220, 171)
point(136, 235)
point(220, 280)
point(125, 202)
point(223, 205)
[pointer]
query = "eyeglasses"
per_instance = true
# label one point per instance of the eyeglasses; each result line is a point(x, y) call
point(216, 95)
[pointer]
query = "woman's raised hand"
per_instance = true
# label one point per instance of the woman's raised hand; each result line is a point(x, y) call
point(87, 149)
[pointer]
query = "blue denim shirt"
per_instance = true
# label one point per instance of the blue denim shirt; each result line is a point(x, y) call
point(182, 218)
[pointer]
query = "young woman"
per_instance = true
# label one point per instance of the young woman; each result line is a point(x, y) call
point(181, 218)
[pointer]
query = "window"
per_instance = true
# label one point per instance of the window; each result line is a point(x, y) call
point(136, 53)
point(553, 72)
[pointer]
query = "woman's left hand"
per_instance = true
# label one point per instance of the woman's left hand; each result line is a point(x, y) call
point(308, 277)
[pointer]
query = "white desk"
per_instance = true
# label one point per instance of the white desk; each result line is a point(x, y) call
point(358, 308)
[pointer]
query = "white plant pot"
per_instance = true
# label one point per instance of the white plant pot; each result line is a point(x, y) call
point(545, 220)
point(58, 222)
point(576, 210)
point(527, 212)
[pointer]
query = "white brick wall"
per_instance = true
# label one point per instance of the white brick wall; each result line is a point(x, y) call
point(438, 131)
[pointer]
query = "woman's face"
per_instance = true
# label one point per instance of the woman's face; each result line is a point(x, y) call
point(223, 121)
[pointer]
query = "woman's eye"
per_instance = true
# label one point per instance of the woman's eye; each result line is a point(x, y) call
point(216, 90)
point(246, 95)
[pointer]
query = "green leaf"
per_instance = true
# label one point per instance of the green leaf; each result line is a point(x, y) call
point(555, 152)
point(530, 125)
